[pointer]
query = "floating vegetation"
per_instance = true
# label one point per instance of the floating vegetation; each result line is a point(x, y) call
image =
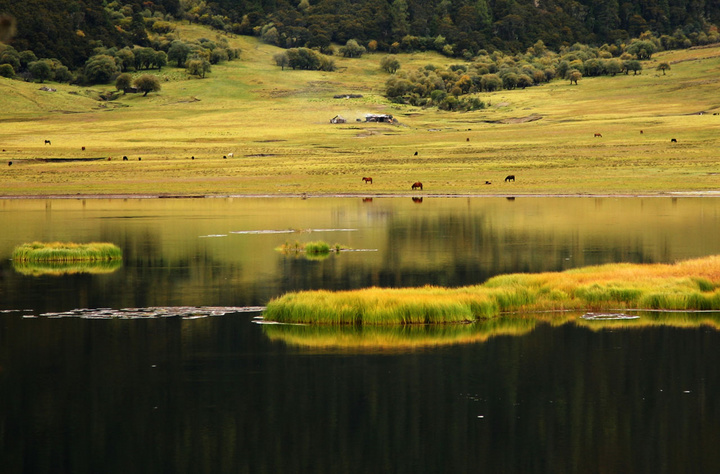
point(66, 252)
point(51, 268)
point(312, 250)
point(184, 312)
point(686, 285)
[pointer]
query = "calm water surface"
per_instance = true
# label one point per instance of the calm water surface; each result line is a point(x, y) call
point(220, 394)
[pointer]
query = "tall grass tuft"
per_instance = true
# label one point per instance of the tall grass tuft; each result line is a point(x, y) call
point(66, 252)
point(686, 285)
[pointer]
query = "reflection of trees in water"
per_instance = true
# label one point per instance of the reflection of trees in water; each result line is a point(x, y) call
point(465, 249)
point(214, 396)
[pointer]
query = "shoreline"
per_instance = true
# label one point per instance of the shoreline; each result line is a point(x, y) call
point(362, 195)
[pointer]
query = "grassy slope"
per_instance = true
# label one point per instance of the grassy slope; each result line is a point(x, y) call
point(277, 125)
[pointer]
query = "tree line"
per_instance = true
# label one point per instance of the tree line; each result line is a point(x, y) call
point(450, 88)
point(120, 37)
point(460, 28)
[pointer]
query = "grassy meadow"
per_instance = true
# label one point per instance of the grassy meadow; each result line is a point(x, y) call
point(276, 125)
point(684, 286)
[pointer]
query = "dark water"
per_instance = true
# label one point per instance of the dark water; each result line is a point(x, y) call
point(220, 394)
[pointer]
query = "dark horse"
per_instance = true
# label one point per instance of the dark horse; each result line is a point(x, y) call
point(510, 178)
point(367, 180)
point(416, 185)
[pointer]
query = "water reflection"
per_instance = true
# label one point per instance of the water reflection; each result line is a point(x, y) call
point(66, 268)
point(219, 394)
point(221, 251)
point(395, 338)
point(403, 338)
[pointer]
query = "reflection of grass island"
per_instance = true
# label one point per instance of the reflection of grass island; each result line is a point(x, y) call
point(686, 285)
point(66, 252)
point(395, 337)
point(95, 267)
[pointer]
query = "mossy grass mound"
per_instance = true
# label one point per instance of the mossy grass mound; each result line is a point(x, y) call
point(66, 252)
point(318, 247)
point(686, 285)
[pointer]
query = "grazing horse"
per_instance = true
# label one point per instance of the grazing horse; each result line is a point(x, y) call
point(125, 158)
point(641, 132)
point(416, 185)
point(598, 135)
point(47, 142)
point(415, 154)
point(488, 182)
point(673, 140)
point(367, 180)
point(9, 163)
point(231, 155)
point(510, 178)
point(83, 148)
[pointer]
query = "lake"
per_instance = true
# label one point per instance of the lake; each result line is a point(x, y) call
point(155, 364)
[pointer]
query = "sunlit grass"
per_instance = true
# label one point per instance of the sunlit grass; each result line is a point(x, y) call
point(66, 252)
point(276, 124)
point(686, 285)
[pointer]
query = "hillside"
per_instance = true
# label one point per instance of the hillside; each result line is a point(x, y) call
point(71, 30)
point(276, 125)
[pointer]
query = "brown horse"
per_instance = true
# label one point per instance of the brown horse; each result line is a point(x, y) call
point(367, 180)
point(416, 185)
point(598, 135)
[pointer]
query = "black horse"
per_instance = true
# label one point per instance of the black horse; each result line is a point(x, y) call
point(510, 178)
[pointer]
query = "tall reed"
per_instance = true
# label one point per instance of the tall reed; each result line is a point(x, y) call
point(66, 252)
point(686, 285)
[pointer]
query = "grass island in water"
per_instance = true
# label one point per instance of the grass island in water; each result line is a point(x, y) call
point(686, 285)
point(316, 248)
point(66, 252)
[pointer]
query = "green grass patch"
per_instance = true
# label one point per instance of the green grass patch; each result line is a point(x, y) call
point(687, 285)
point(66, 252)
point(315, 249)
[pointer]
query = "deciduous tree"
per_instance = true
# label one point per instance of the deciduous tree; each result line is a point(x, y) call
point(147, 83)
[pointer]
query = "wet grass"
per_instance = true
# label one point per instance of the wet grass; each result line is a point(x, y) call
point(66, 252)
point(686, 285)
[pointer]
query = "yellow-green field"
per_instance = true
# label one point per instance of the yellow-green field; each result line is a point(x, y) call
point(276, 124)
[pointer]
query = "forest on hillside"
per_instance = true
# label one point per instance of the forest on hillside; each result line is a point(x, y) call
point(70, 30)
point(499, 44)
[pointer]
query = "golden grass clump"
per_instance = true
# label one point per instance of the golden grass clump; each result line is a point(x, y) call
point(66, 252)
point(686, 285)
